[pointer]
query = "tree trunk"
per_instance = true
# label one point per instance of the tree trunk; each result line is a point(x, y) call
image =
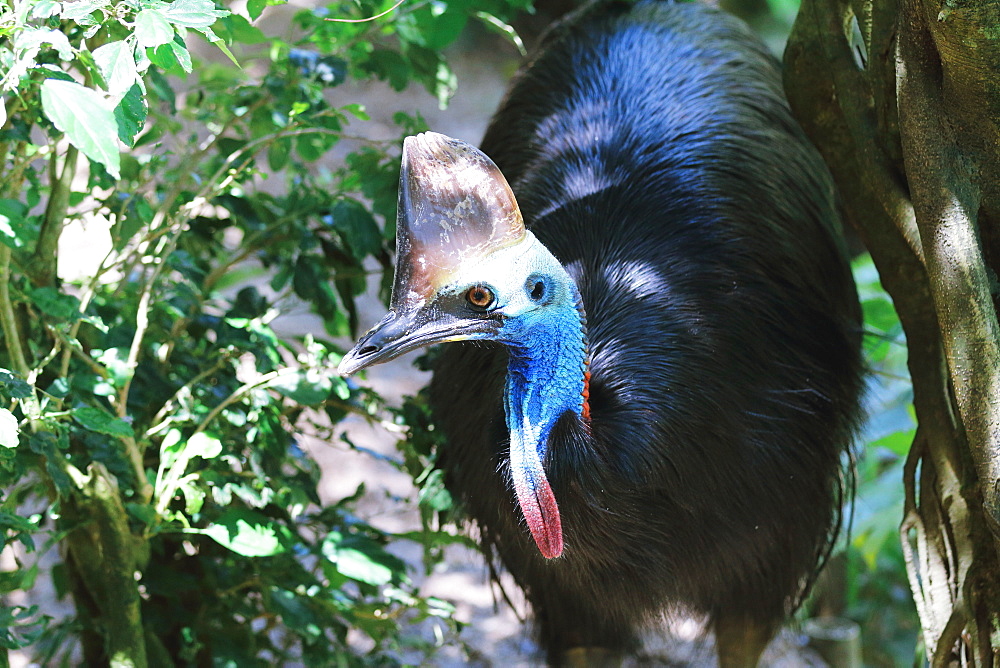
point(105, 556)
point(902, 97)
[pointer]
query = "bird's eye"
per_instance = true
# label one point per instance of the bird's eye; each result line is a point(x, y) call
point(479, 297)
point(537, 290)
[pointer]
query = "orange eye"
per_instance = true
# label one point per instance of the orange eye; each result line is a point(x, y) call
point(479, 297)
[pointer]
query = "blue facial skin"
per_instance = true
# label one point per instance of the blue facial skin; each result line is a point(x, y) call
point(545, 372)
point(543, 329)
point(521, 296)
point(545, 379)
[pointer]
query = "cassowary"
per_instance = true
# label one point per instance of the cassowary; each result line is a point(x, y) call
point(661, 370)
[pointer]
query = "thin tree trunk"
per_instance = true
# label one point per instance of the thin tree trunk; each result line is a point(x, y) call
point(106, 555)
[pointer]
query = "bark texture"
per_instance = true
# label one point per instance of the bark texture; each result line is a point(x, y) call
point(902, 97)
point(105, 557)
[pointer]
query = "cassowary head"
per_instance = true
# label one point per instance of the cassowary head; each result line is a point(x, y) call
point(467, 269)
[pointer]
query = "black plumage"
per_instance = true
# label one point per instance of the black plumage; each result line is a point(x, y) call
point(651, 150)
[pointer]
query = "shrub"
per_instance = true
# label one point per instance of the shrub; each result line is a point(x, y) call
point(150, 412)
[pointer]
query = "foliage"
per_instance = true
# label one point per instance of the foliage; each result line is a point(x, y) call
point(878, 594)
point(150, 410)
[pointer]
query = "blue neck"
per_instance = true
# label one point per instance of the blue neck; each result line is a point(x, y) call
point(545, 379)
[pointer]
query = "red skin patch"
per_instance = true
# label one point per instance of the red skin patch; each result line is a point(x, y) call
point(534, 494)
point(542, 514)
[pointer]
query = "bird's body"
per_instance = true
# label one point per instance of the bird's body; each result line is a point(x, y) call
point(651, 152)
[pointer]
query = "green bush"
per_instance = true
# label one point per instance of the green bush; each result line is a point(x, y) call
point(150, 412)
point(877, 593)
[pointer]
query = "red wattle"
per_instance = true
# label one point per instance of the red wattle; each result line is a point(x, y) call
point(542, 514)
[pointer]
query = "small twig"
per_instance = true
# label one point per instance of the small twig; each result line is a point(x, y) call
point(72, 348)
point(74, 329)
point(370, 18)
point(241, 392)
point(165, 247)
point(388, 425)
point(160, 419)
point(142, 486)
point(168, 202)
point(51, 355)
point(14, 177)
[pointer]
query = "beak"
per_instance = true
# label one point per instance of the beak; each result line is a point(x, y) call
point(400, 333)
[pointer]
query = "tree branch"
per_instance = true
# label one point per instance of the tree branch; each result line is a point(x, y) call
point(11, 335)
point(42, 267)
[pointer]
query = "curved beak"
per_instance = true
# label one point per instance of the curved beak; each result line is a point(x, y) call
point(400, 333)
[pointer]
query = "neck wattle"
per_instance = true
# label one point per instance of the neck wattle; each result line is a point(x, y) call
point(546, 377)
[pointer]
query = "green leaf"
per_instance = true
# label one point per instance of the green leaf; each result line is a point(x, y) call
point(102, 422)
point(130, 114)
point(23, 578)
point(83, 115)
point(390, 66)
point(152, 28)
point(236, 29)
point(305, 387)
point(193, 13)
point(43, 9)
point(357, 228)
point(59, 306)
point(255, 8)
point(21, 626)
point(164, 58)
point(358, 111)
point(433, 25)
point(194, 498)
point(11, 522)
point(204, 446)
point(247, 533)
point(116, 61)
point(222, 47)
point(363, 559)
point(13, 387)
point(433, 493)
point(115, 360)
point(14, 231)
point(278, 154)
point(80, 11)
point(143, 512)
point(32, 39)
point(182, 55)
point(8, 429)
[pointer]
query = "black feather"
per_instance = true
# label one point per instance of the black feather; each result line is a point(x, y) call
point(652, 151)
